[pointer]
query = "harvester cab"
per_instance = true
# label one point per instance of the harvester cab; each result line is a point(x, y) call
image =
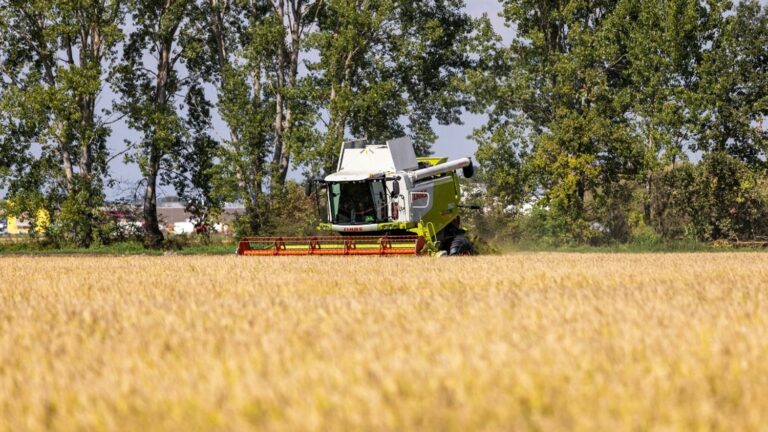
point(382, 200)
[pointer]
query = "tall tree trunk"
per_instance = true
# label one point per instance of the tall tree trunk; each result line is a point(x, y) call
point(85, 163)
point(337, 122)
point(153, 237)
point(293, 72)
point(248, 176)
point(581, 191)
point(648, 184)
point(648, 199)
point(254, 196)
point(287, 73)
point(66, 159)
point(333, 139)
point(279, 159)
point(279, 171)
point(218, 30)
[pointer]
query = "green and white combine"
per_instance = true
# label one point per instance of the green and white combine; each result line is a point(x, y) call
point(382, 200)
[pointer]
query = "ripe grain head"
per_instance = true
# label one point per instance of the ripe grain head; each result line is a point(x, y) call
point(524, 341)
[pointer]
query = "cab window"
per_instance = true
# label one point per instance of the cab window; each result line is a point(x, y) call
point(360, 202)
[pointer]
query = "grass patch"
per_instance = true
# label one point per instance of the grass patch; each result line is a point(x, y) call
point(37, 247)
point(660, 247)
point(179, 245)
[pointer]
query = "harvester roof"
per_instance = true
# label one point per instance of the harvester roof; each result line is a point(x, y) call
point(360, 160)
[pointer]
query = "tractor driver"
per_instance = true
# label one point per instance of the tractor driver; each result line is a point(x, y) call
point(363, 213)
point(356, 206)
point(346, 212)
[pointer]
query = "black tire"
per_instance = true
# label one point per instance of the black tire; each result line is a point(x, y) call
point(460, 246)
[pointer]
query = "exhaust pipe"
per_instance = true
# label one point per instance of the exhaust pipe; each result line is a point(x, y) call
point(444, 168)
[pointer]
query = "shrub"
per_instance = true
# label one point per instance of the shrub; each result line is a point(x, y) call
point(719, 198)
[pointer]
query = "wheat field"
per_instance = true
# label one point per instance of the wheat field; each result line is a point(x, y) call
point(529, 341)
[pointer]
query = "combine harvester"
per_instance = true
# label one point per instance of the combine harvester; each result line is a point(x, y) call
point(382, 200)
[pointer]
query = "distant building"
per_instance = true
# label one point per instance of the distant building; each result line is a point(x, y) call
point(17, 226)
point(21, 224)
point(175, 219)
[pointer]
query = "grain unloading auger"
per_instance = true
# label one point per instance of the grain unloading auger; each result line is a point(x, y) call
point(382, 200)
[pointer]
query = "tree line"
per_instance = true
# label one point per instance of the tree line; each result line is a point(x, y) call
point(598, 108)
point(595, 108)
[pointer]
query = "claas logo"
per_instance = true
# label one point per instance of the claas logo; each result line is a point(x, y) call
point(419, 196)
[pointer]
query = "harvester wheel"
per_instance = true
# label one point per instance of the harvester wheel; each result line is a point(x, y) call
point(460, 246)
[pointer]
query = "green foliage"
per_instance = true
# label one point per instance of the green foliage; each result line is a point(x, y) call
point(720, 198)
point(149, 99)
point(617, 212)
point(383, 61)
point(54, 58)
point(267, 105)
point(191, 169)
point(732, 95)
point(80, 220)
point(645, 237)
point(560, 126)
point(593, 109)
point(592, 99)
point(292, 213)
point(289, 213)
point(501, 164)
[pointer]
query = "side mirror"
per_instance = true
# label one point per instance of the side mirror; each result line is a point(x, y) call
point(309, 187)
point(395, 189)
